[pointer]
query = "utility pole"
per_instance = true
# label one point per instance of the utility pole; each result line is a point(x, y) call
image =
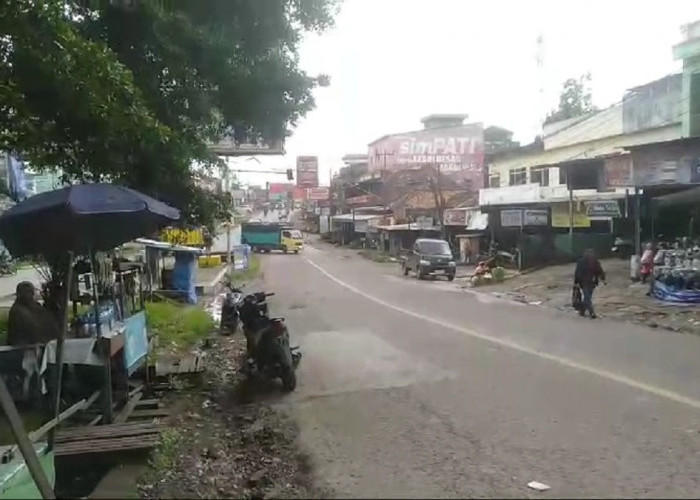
point(436, 188)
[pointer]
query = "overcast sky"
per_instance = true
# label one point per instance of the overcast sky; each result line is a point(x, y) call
point(392, 62)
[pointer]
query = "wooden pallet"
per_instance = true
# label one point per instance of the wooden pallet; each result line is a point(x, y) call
point(106, 438)
point(193, 363)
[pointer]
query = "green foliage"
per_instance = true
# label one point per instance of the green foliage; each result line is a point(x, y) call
point(135, 95)
point(178, 326)
point(575, 100)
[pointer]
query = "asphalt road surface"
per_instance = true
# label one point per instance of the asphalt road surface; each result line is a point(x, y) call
point(414, 388)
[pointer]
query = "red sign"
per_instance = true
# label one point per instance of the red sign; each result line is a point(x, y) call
point(279, 187)
point(307, 171)
point(319, 193)
point(457, 151)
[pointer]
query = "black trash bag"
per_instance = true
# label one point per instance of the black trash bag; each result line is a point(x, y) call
point(577, 298)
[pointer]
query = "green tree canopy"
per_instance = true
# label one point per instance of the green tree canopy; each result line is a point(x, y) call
point(135, 93)
point(575, 100)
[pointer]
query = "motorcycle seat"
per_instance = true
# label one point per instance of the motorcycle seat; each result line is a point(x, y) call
point(277, 320)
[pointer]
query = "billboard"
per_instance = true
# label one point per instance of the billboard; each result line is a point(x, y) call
point(299, 194)
point(319, 193)
point(278, 191)
point(457, 151)
point(227, 146)
point(307, 171)
point(280, 187)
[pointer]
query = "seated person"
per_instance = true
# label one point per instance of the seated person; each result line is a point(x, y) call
point(29, 322)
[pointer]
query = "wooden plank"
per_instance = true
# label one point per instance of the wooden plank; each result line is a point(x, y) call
point(136, 432)
point(137, 388)
point(109, 443)
point(76, 436)
point(25, 445)
point(160, 412)
point(39, 433)
point(44, 429)
point(113, 429)
point(95, 420)
point(148, 402)
point(128, 408)
point(138, 444)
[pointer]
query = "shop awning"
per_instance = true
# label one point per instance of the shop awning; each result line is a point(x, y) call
point(688, 197)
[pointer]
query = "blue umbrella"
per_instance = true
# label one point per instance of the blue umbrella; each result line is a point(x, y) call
point(82, 219)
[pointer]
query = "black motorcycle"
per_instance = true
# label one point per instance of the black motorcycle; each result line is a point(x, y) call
point(269, 350)
point(230, 309)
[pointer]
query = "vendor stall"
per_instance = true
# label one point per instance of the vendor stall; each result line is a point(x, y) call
point(59, 226)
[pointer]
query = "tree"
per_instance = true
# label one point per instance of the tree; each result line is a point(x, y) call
point(575, 100)
point(135, 94)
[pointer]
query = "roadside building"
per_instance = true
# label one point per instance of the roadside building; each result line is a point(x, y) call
point(580, 175)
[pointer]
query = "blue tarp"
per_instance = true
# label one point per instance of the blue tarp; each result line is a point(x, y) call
point(184, 273)
point(669, 294)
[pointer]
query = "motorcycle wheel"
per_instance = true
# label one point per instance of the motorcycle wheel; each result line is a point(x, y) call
point(289, 378)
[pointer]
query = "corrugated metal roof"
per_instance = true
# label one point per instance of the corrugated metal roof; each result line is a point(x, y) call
point(356, 218)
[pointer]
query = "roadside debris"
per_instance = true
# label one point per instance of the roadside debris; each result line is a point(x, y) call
point(536, 485)
point(231, 443)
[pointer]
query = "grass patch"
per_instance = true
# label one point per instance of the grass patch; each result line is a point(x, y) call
point(253, 271)
point(178, 326)
point(164, 457)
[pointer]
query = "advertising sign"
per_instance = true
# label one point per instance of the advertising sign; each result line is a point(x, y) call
point(319, 193)
point(608, 208)
point(511, 218)
point(618, 171)
point(535, 217)
point(560, 216)
point(457, 151)
point(307, 171)
point(227, 146)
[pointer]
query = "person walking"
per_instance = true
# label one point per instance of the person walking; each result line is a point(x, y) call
point(587, 275)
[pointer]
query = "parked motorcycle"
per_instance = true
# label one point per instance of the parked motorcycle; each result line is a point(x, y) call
point(269, 350)
point(230, 309)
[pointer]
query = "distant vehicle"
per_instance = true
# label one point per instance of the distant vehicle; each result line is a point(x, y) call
point(265, 237)
point(430, 257)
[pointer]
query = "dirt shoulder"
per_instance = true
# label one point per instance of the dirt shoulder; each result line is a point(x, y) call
point(620, 299)
point(227, 439)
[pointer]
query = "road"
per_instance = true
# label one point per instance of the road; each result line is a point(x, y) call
point(8, 284)
point(419, 389)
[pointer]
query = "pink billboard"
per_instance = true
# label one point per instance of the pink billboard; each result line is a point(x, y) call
point(457, 151)
point(307, 171)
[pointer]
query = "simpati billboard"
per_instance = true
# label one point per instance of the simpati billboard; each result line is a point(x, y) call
point(457, 151)
point(307, 171)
